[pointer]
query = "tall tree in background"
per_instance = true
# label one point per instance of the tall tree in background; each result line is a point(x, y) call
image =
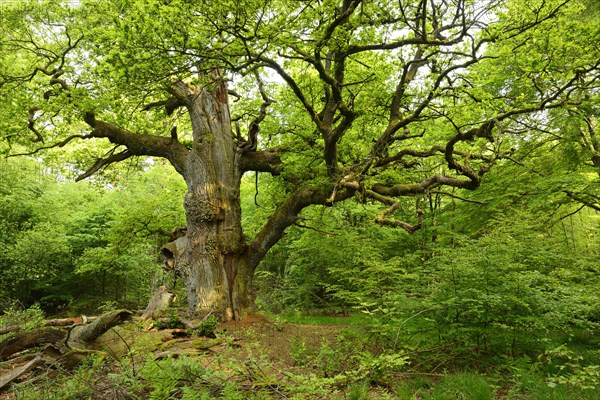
point(340, 99)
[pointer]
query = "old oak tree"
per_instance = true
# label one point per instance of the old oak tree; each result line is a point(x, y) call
point(349, 99)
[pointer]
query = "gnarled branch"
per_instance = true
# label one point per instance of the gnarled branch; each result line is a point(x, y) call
point(31, 125)
point(171, 104)
point(410, 189)
point(285, 215)
point(138, 144)
point(104, 162)
point(384, 219)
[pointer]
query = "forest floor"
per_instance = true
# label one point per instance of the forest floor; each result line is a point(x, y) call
point(277, 340)
point(280, 341)
point(260, 358)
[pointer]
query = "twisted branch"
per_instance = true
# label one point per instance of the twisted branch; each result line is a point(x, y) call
point(104, 162)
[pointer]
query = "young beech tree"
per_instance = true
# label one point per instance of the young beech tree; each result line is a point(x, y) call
point(341, 99)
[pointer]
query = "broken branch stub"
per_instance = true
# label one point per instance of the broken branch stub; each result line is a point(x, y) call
point(160, 301)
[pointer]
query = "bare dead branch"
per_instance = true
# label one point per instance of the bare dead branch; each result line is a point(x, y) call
point(59, 144)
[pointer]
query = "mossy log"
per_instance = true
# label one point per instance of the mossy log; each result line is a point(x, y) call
point(49, 345)
point(23, 340)
point(86, 334)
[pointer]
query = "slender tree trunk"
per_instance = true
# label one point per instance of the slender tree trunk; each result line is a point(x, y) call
point(211, 256)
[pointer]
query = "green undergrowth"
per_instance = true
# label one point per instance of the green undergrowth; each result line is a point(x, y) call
point(352, 365)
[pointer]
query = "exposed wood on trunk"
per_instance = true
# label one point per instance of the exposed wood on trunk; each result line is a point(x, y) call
point(161, 300)
point(209, 257)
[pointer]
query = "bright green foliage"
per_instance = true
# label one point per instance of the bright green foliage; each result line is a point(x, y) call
point(511, 275)
point(134, 223)
point(208, 326)
point(26, 319)
point(510, 287)
point(66, 243)
point(502, 57)
point(381, 100)
point(462, 386)
point(509, 271)
point(570, 370)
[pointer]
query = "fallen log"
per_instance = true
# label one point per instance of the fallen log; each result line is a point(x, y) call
point(86, 334)
point(72, 358)
point(9, 329)
point(179, 347)
point(16, 373)
point(80, 334)
point(24, 340)
point(51, 322)
point(68, 321)
point(64, 343)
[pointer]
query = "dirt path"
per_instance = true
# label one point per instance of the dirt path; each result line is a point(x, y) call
point(282, 342)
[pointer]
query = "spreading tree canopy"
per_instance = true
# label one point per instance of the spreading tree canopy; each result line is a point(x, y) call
point(339, 99)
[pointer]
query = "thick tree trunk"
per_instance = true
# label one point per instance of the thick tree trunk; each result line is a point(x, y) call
point(211, 256)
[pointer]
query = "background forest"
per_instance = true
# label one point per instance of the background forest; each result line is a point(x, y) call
point(476, 122)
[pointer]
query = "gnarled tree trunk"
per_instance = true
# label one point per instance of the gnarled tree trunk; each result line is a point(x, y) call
point(211, 257)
